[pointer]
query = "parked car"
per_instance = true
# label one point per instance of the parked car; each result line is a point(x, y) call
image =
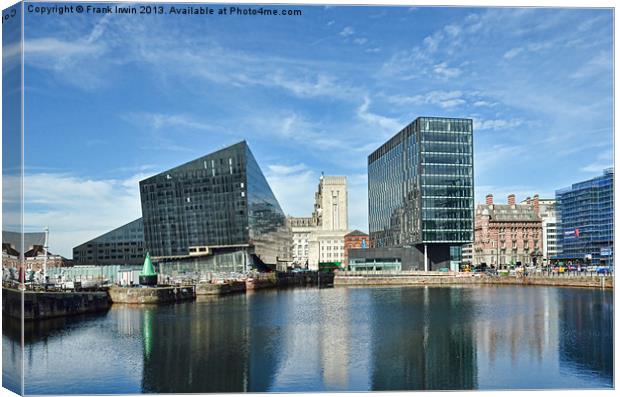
point(603, 270)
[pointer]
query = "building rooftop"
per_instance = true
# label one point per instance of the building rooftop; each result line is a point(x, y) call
point(508, 213)
point(356, 233)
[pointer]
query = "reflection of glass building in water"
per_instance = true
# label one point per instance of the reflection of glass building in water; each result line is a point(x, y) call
point(586, 332)
point(586, 220)
point(420, 191)
point(215, 213)
point(429, 347)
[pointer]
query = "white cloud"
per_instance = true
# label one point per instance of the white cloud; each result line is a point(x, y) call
point(600, 64)
point(443, 70)
point(496, 124)
point(360, 41)
point(444, 99)
point(293, 186)
point(603, 161)
point(159, 121)
point(77, 209)
point(347, 31)
point(388, 124)
point(512, 53)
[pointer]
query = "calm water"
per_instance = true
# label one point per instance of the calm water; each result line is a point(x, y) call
point(356, 339)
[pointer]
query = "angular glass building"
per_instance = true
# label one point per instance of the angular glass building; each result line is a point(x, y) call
point(420, 191)
point(585, 217)
point(121, 246)
point(215, 213)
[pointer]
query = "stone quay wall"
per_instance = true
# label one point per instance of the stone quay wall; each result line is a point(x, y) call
point(437, 278)
point(42, 305)
point(220, 289)
point(151, 295)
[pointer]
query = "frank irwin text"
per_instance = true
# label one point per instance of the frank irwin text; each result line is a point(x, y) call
point(156, 9)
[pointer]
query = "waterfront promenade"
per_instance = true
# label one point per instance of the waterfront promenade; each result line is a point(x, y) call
point(368, 278)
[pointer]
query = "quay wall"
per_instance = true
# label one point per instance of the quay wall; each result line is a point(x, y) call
point(42, 305)
point(151, 295)
point(451, 279)
point(220, 289)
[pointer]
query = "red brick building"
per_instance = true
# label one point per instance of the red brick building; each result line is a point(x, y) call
point(355, 239)
point(508, 234)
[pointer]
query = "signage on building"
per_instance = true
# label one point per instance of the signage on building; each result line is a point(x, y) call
point(364, 243)
point(605, 251)
point(572, 233)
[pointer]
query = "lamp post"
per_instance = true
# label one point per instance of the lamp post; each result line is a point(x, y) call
point(45, 246)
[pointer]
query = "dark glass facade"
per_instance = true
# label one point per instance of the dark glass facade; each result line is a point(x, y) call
point(121, 246)
point(221, 201)
point(585, 221)
point(420, 187)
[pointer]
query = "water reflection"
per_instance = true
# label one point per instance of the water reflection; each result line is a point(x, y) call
point(427, 346)
point(586, 332)
point(355, 339)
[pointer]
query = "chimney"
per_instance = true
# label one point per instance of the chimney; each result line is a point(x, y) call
point(489, 199)
point(511, 199)
point(528, 201)
point(536, 205)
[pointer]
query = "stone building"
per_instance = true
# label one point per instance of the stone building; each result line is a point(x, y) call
point(508, 234)
point(320, 238)
point(301, 228)
point(330, 215)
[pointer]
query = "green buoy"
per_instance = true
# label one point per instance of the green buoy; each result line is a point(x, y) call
point(148, 276)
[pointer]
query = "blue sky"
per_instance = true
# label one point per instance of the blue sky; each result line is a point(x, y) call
point(113, 99)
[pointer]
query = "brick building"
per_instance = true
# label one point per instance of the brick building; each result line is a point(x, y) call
point(508, 234)
point(355, 239)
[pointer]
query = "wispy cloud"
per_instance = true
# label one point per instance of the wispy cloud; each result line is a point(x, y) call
point(347, 31)
point(497, 124)
point(159, 121)
point(443, 99)
point(93, 207)
point(388, 124)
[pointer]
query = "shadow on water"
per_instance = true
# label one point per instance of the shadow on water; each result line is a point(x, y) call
point(42, 329)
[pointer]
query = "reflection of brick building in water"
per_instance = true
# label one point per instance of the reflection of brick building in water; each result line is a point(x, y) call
point(508, 234)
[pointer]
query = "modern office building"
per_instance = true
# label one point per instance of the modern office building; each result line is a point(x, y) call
point(420, 192)
point(586, 221)
point(508, 234)
point(215, 213)
point(121, 246)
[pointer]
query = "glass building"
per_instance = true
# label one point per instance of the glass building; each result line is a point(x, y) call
point(216, 213)
point(585, 214)
point(121, 246)
point(420, 191)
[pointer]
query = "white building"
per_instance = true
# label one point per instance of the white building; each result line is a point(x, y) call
point(549, 228)
point(320, 238)
point(301, 229)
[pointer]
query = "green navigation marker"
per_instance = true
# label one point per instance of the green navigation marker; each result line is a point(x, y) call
point(148, 276)
point(148, 269)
